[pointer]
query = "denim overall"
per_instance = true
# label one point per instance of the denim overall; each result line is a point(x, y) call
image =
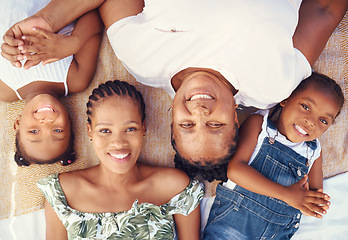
point(241, 214)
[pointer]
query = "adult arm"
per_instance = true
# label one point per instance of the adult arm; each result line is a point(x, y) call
point(318, 19)
point(55, 229)
point(240, 172)
point(188, 227)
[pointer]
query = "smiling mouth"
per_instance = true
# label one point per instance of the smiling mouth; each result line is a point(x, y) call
point(119, 156)
point(300, 130)
point(200, 96)
point(45, 108)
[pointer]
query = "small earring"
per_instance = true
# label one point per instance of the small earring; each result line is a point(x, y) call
point(144, 136)
point(170, 108)
point(90, 139)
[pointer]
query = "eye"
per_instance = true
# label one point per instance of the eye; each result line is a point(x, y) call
point(323, 121)
point(58, 130)
point(104, 130)
point(215, 124)
point(33, 131)
point(187, 125)
point(131, 129)
point(305, 107)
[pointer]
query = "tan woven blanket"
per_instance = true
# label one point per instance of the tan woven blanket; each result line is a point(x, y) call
point(19, 194)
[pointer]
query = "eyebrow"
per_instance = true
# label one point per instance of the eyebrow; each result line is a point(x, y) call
point(110, 124)
point(315, 104)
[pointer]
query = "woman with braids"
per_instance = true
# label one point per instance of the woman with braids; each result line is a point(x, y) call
point(43, 129)
point(120, 198)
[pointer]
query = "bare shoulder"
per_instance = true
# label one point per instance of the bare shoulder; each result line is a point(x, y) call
point(72, 182)
point(168, 180)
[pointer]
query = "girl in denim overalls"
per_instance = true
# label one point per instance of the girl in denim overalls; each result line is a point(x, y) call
point(278, 168)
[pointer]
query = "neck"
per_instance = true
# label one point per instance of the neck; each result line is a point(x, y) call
point(112, 180)
point(178, 78)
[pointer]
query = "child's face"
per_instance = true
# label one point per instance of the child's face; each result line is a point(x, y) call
point(44, 127)
point(117, 133)
point(307, 115)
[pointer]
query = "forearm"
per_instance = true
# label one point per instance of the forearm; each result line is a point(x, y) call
point(249, 178)
point(86, 27)
point(59, 13)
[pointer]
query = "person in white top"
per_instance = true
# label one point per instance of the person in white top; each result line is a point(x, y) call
point(210, 55)
point(43, 129)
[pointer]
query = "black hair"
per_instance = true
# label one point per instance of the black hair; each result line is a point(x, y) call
point(322, 82)
point(23, 159)
point(110, 88)
point(206, 169)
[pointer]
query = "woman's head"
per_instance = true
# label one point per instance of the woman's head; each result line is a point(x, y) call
point(116, 124)
point(43, 132)
point(310, 109)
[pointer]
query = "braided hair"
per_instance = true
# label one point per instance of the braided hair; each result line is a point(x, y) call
point(111, 88)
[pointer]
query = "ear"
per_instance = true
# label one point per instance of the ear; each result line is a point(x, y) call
point(236, 115)
point(283, 103)
point(89, 131)
point(16, 122)
point(144, 126)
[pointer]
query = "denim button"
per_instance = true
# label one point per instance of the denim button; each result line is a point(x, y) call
point(298, 216)
point(297, 225)
point(299, 173)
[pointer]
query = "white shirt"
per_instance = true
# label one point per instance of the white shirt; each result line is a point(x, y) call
point(248, 41)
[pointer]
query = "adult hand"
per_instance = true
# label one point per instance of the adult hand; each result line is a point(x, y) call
point(13, 38)
point(310, 203)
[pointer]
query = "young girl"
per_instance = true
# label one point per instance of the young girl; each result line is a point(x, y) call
point(120, 198)
point(278, 168)
point(43, 129)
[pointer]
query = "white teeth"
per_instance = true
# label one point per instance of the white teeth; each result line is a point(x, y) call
point(119, 156)
point(200, 96)
point(45, 109)
point(300, 130)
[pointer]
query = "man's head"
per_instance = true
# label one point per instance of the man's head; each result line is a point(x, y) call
point(205, 125)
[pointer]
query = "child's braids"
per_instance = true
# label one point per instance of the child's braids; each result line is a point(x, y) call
point(111, 88)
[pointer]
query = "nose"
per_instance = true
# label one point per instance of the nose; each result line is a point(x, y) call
point(44, 120)
point(118, 141)
point(200, 109)
point(46, 117)
point(309, 122)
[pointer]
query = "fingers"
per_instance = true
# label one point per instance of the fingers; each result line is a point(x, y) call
point(43, 32)
point(12, 59)
point(30, 63)
point(10, 38)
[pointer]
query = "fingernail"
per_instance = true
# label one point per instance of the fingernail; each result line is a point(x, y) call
point(25, 57)
point(19, 58)
point(324, 212)
point(34, 28)
point(24, 37)
point(20, 47)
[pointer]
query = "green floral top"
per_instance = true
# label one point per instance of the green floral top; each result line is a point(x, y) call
point(142, 221)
